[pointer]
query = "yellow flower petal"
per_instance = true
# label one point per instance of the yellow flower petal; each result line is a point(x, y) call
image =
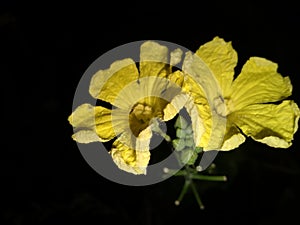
point(172, 109)
point(173, 90)
point(203, 110)
point(156, 92)
point(199, 125)
point(203, 87)
point(271, 124)
point(132, 158)
point(195, 90)
point(89, 119)
point(176, 79)
point(83, 116)
point(86, 136)
point(221, 59)
point(106, 84)
point(104, 127)
point(259, 82)
point(153, 59)
point(175, 56)
point(232, 139)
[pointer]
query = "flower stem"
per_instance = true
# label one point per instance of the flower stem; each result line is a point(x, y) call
point(183, 191)
point(208, 177)
point(198, 199)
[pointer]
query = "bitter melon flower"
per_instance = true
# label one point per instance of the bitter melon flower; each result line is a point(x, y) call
point(138, 96)
point(255, 102)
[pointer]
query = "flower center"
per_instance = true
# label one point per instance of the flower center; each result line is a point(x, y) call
point(140, 117)
point(223, 109)
point(144, 111)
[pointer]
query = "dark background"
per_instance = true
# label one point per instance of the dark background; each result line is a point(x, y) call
point(46, 47)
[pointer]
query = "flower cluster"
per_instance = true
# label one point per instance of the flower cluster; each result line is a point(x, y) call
point(223, 110)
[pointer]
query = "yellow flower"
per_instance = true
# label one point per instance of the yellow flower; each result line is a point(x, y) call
point(138, 96)
point(254, 103)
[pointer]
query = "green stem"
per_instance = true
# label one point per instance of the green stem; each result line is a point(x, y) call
point(208, 177)
point(181, 173)
point(198, 199)
point(183, 191)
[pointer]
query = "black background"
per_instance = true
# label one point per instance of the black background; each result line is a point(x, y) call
point(46, 47)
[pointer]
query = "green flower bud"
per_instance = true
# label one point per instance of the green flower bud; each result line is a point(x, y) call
point(178, 144)
point(180, 133)
point(193, 158)
point(189, 129)
point(189, 142)
point(188, 156)
point(181, 123)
